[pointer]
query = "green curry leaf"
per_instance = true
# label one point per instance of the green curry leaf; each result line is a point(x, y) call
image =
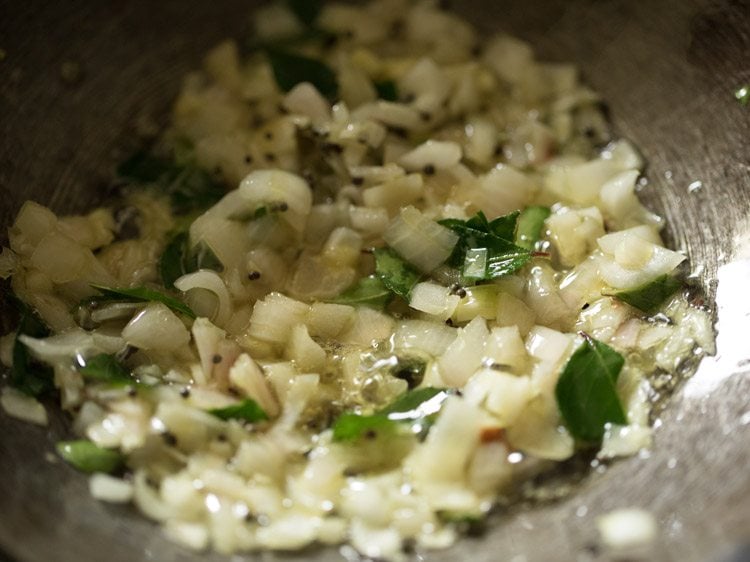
point(586, 391)
point(140, 294)
point(651, 296)
point(248, 410)
point(290, 69)
point(88, 457)
point(369, 291)
point(395, 273)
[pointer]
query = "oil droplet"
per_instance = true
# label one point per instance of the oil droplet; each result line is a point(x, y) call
point(695, 186)
point(515, 457)
point(582, 511)
point(745, 419)
point(671, 463)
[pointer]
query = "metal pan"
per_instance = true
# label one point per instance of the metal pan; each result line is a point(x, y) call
point(77, 76)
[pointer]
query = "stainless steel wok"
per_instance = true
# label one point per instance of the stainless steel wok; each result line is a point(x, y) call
point(76, 77)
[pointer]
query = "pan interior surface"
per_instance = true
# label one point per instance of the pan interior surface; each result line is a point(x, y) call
point(78, 78)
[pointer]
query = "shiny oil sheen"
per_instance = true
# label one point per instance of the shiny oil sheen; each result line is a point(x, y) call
point(80, 80)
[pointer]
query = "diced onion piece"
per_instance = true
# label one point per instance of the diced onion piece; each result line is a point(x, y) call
point(622, 206)
point(420, 240)
point(543, 297)
point(624, 154)
point(316, 277)
point(373, 542)
point(512, 311)
point(304, 351)
point(274, 316)
point(210, 281)
point(464, 355)
point(481, 140)
point(443, 457)
point(63, 260)
point(433, 299)
point(156, 327)
point(371, 221)
point(23, 407)
point(147, 499)
point(537, 431)
point(355, 86)
point(394, 194)
point(206, 337)
point(431, 337)
point(480, 301)
point(343, 247)
point(634, 260)
point(389, 113)
point(110, 489)
point(509, 57)
point(227, 238)
point(610, 242)
point(245, 374)
point(503, 394)
point(289, 532)
point(602, 318)
point(328, 320)
point(33, 223)
point(369, 326)
point(305, 99)
point(506, 348)
point(580, 183)
point(501, 191)
point(263, 187)
point(75, 342)
point(435, 154)
point(574, 233)
point(192, 427)
point(627, 528)
point(191, 535)
point(490, 470)
point(428, 83)
point(624, 440)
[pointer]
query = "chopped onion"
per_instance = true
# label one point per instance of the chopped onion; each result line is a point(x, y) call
point(431, 337)
point(305, 99)
point(247, 375)
point(110, 489)
point(274, 316)
point(433, 299)
point(443, 457)
point(22, 406)
point(420, 240)
point(464, 355)
point(627, 527)
point(623, 441)
point(501, 191)
point(437, 154)
point(394, 194)
point(304, 351)
point(156, 327)
point(73, 343)
point(210, 281)
point(263, 187)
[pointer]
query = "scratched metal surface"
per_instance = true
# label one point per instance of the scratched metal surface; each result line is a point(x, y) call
point(667, 69)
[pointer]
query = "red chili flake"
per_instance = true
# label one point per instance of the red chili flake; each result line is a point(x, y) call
point(491, 434)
